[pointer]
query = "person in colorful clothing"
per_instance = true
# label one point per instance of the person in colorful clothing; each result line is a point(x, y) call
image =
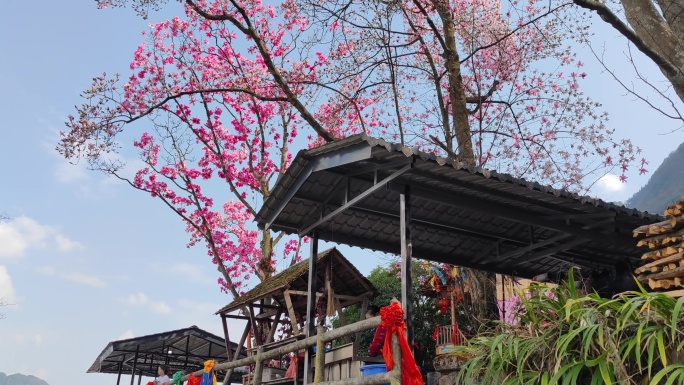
point(163, 375)
point(375, 347)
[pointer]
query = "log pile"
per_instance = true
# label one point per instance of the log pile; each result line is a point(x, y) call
point(664, 268)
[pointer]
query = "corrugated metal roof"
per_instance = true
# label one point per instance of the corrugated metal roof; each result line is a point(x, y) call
point(347, 280)
point(461, 214)
point(189, 347)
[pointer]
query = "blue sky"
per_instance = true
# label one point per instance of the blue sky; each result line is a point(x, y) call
point(86, 259)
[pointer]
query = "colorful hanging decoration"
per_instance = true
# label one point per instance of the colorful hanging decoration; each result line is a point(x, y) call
point(194, 380)
point(177, 378)
point(392, 319)
point(443, 304)
point(208, 378)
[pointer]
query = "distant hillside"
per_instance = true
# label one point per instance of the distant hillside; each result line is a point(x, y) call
point(665, 186)
point(20, 379)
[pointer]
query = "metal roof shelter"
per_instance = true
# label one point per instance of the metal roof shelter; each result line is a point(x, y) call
point(181, 349)
point(285, 294)
point(366, 192)
point(345, 280)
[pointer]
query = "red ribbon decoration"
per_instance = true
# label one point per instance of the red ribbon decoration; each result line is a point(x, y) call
point(392, 318)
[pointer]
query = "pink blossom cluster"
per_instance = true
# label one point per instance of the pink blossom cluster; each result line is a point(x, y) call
point(217, 97)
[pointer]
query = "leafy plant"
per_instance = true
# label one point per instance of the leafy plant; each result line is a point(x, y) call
point(565, 338)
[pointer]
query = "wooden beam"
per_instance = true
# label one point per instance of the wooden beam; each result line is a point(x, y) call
point(274, 326)
point(291, 313)
point(340, 316)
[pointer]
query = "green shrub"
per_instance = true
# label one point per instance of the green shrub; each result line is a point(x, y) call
point(565, 338)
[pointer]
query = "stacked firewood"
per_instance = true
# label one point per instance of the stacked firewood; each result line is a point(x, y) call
point(664, 268)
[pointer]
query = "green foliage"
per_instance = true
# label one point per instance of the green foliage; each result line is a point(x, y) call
point(425, 311)
point(664, 187)
point(564, 338)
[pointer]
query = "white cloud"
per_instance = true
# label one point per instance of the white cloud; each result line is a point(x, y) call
point(191, 272)
point(195, 307)
point(41, 373)
point(47, 270)
point(38, 338)
point(125, 335)
point(161, 308)
point(73, 276)
point(7, 292)
point(135, 299)
point(610, 183)
point(84, 279)
point(141, 300)
point(66, 244)
point(66, 172)
point(23, 233)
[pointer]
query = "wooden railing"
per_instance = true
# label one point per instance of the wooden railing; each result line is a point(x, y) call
point(319, 340)
point(447, 336)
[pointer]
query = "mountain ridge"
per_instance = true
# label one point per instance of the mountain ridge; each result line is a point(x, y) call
point(20, 379)
point(665, 186)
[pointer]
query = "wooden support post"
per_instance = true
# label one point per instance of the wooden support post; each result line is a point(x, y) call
point(395, 373)
point(229, 351)
point(135, 361)
point(311, 302)
point(291, 313)
point(236, 356)
point(453, 308)
point(259, 366)
point(340, 316)
point(255, 328)
point(406, 251)
point(357, 338)
point(274, 326)
point(320, 356)
point(327, 291)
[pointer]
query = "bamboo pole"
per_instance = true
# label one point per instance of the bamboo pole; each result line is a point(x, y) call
point(259, 367)
point(320, 356)
point(298, 345)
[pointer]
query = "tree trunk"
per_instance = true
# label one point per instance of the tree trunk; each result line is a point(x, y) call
point(483, 297)
point(664, 35)
point(457, 96)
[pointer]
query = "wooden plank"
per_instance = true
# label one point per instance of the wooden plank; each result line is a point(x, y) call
point(660, 283)
point(274, 326)
point(662, 240)
point(678, 272)
point(291, 313)
point(641, 230)
point(675, 293)
point(662, 253)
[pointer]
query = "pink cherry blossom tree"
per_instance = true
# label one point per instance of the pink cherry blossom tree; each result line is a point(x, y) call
point(218, 99)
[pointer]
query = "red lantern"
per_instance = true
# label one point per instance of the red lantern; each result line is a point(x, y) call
point(443, 304)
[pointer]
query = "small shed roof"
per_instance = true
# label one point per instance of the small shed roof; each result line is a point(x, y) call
point(349, 191)
point(189, 347)
point(346, 280)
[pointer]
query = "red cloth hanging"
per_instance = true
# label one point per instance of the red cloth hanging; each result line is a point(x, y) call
point(292, 369)
point(194, 380)
point(392, 319)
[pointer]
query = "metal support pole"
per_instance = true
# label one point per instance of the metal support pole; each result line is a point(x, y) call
point(187, 352)
point(135, 362)
point(406, 250)
point(118, 378)
point(139, 377)
point(311, 302)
